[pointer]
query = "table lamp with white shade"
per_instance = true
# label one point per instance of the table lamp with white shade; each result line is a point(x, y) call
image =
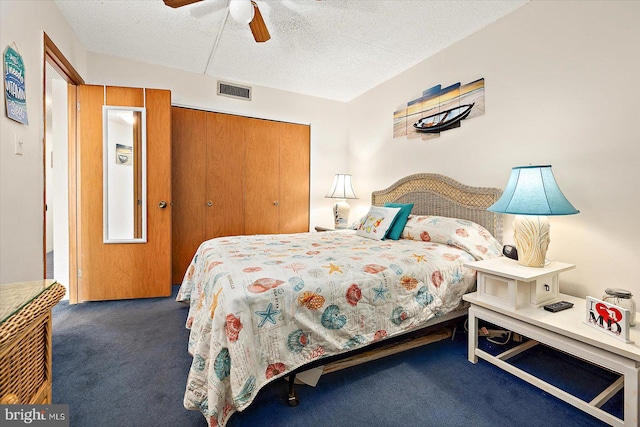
point(532, 194)
point(342, 189)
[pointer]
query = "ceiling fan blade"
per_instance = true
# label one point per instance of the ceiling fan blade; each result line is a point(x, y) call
point(179, 3)
point(257, 25)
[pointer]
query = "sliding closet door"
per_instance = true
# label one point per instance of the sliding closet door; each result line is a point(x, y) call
point(225, 145)
point(235, 175)
point(189, 156)
point(110, 271)
point(294, 178)
point(208, 183)
point(262, 189)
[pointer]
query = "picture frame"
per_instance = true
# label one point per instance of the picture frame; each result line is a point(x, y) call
point(124, 154)
point(608, 318)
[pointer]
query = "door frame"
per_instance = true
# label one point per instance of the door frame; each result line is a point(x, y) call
point(54, 57)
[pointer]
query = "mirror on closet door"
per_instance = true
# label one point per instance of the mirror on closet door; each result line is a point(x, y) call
point(124, 174)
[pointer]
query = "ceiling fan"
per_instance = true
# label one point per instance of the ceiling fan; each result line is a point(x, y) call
point(243, 11)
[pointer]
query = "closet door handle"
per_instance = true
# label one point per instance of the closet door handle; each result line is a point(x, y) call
point(209, 203)
point(162, 204)
point(276, 203)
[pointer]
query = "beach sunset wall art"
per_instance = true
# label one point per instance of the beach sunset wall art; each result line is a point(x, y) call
point(438, 110)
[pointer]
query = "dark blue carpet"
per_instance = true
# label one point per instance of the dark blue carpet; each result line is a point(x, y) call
point(124, 363)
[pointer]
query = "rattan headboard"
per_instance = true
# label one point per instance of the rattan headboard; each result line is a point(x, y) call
point(433, 194)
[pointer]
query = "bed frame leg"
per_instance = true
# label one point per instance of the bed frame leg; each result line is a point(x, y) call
point(292, 398)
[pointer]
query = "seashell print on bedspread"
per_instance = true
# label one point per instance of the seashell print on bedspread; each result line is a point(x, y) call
point(263, 305)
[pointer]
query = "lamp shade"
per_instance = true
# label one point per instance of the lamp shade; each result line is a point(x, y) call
point(532, 190)
point(341, 188)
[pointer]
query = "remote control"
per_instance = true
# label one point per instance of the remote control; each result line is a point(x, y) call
point(558, 306)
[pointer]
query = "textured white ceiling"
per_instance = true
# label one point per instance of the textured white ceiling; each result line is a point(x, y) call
point(335, 49)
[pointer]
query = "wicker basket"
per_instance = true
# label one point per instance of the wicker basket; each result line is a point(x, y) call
point(25, 351)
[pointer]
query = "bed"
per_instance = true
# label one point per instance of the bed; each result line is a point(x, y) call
point(266, 306)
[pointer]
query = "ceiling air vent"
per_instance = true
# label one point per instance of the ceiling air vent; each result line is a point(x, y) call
point(234, 91)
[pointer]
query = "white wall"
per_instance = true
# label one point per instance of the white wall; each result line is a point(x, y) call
point(49, 188)
point(21, 177)
point(561, 89)
point(60, 182)
point(327, 118)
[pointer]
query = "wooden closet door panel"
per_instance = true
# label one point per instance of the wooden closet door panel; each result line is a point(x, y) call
point(294, 178)
point(187, 229)
point(188, 181)
point(225, 175)
point(159, 220)
point(124, 96)
point(261, 177)
point(89, 183)
point(122, 270)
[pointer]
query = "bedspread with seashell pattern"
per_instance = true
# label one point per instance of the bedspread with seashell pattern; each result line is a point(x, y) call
point(263, 305)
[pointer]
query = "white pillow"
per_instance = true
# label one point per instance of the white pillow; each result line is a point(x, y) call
point(377, 222)
point(461, 233)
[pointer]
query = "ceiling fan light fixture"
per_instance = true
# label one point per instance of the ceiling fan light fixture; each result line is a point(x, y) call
point(241, 11)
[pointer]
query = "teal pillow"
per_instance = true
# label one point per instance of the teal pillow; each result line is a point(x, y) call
point(395, 231)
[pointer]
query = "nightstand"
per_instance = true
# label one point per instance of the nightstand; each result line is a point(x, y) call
point(568, 332)
point(504, 282)
point(511, 295)
point(322, 229)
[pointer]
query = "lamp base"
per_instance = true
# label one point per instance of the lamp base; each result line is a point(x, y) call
point(341, 215)
point(531, 234)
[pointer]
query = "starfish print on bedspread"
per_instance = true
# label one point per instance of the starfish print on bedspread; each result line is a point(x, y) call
point(268, 315)
point(379, 292)
point(419, 258)
point(333, 268)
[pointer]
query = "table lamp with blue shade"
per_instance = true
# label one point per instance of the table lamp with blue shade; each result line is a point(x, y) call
point(532, 194)
point(342, 188)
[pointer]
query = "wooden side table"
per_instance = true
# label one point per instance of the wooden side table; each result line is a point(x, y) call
point(25, 340)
